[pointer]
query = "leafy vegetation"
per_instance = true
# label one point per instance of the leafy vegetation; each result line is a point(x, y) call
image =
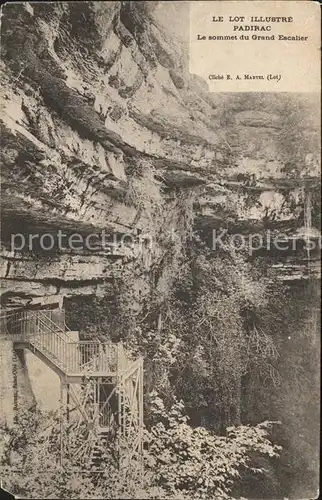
point(251, 358)
point(180, 461)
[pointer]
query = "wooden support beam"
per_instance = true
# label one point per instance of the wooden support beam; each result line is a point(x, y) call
point(62, 421)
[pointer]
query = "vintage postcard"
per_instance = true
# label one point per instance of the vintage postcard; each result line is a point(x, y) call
point(160, 250)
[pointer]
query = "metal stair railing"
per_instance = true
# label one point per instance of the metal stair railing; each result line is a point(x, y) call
point(96, 356)
point(50, 341)
point(46, 316)
point(73, 357)
point(20, 323)
point(39, 330)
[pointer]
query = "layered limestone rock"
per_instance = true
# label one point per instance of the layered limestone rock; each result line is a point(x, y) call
point(95, 138)
point(104, 130)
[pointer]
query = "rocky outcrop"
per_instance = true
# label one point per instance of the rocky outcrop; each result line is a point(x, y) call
point(103, 129)
point(84, 149)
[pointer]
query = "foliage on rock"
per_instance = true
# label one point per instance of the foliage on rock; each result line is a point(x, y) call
point(194, 462)
point(180, 461)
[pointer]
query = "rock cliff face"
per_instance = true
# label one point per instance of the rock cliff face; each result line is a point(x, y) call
point(103, 128)
point(96, 136)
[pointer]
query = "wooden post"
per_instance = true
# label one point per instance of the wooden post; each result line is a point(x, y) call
point(141, 423)
point(67, 402)
point(15, 387)
point(307, 223)
point(62, 420)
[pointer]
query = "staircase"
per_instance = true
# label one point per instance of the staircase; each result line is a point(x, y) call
point(36, 331)
point(101, 447)
point(109, 398)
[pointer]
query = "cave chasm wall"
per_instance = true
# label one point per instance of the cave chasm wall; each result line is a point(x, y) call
point(103, 128)
point(90, 134)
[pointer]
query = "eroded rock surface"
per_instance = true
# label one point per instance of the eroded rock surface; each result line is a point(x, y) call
point(103, 128)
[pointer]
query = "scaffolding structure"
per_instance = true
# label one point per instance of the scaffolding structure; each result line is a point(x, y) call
point(101, 390)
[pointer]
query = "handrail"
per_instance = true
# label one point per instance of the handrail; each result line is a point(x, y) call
point(42, 333)
point(4, 313)
point(89, 342)
point(25, 319)
point(54, 344)
point(18, 317)
point(57, 333)
point(48, 318)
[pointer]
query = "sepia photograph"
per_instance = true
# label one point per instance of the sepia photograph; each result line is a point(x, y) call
point(160, 250)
